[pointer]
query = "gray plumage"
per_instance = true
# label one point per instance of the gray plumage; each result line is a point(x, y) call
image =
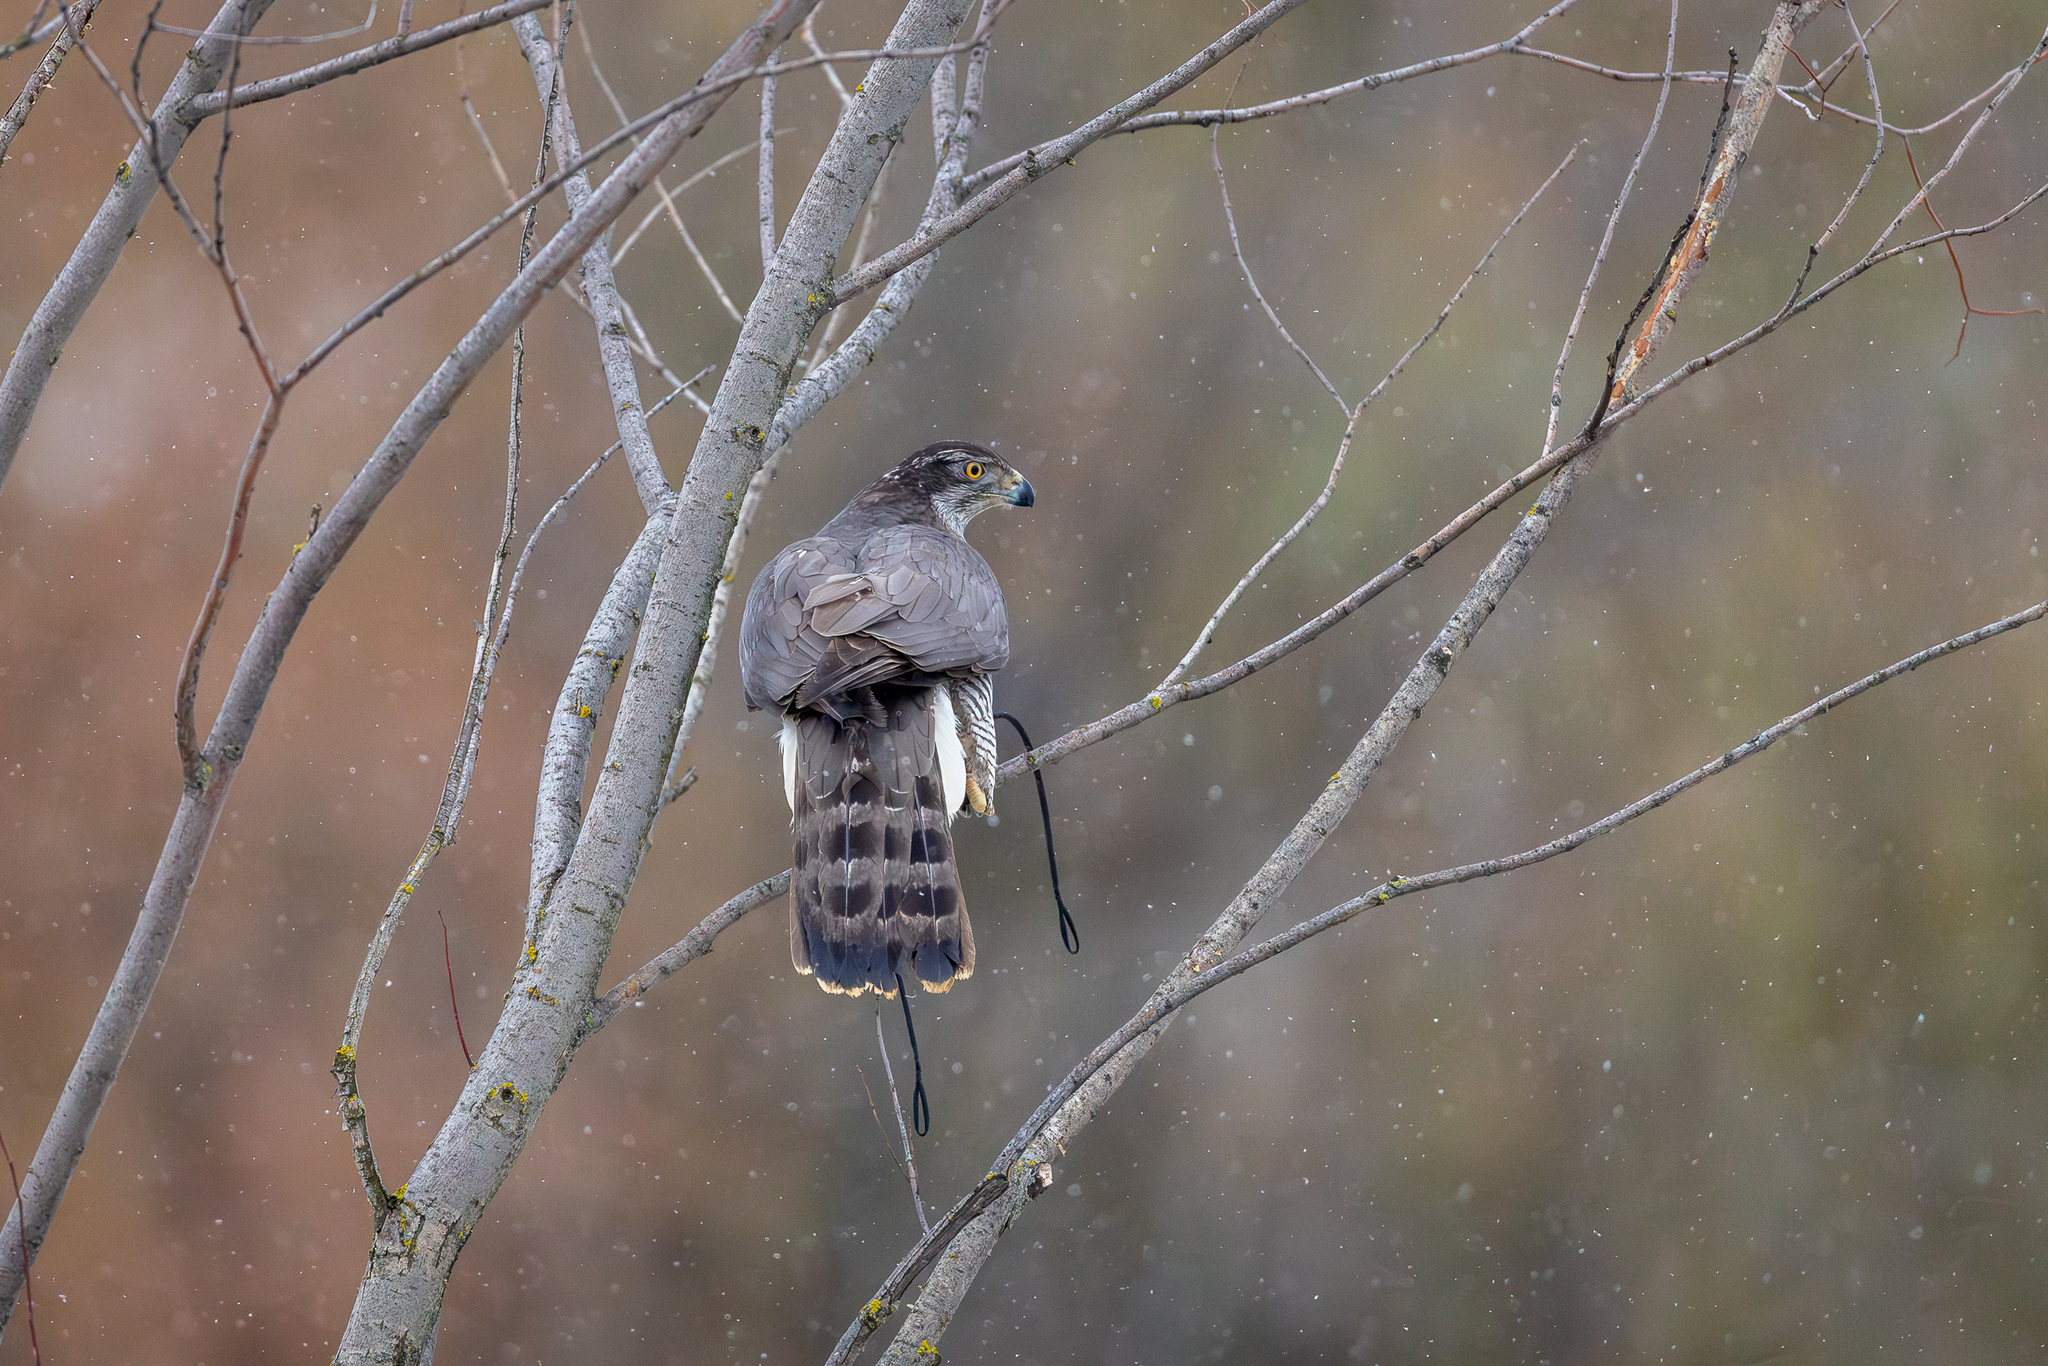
point(878, 640)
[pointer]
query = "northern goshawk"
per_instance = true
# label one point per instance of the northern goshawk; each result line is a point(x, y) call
point(878, 640)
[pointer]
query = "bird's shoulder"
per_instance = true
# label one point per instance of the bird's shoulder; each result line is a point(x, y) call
point(801, 565)
point(935, 551)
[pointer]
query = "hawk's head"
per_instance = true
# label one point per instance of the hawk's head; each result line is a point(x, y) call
point(959, 479)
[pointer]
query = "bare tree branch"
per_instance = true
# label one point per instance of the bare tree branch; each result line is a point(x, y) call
point(38, 28)
point(1820, 292)
point(1208, 631)
point(810, 33)
point(70, 25)
point(1396, 887)
point(600, 286)
point(1045, 158)
point(1206, 118)
point(349, 63)
point(1628, 182)
point(1061, 1116)
point(896, 1102)
point(688, 950)
point(1869, 167)
point(672, 593)
point(200, 808)
point(2005, 88)
point(153, 24)
point(553, 988)
point(135, 184)
point(1251, 281)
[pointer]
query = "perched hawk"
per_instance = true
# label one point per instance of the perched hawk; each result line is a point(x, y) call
point(878, 640)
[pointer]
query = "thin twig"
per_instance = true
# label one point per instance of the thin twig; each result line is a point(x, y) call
point(250, 40)
point(220, 164)
point(946, 113)
point(1970, 310)
point(645, 346)
point(1820, 292)
point(1204, 118)
point(201, 107)
point(28, 1287)
point(909, 1155)
point(604, 85)
point(678, 782)
point(703, 262)
point(875, 1112)
point(828, 335)
point(1869, 167)
point(1791, 94)
point(688, 950)
point(1825, 78)
point(198, 773)
point(1208, 631)
point(2006, 86)
point(810, 34)
point(647, 219)
point(600, 284)
point(34, 31)
point(476, 122)
point(68, 25)
point(561, 505)
point(1047, 157)
point(1244, 266)
point(1628, 183)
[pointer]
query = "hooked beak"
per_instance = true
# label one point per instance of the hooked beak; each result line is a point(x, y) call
point(1019, 494)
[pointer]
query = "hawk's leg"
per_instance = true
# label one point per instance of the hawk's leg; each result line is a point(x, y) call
point(974, 710)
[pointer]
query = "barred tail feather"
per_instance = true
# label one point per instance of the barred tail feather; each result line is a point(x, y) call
point(875, 892)
point(836, 889)
point(924, 914)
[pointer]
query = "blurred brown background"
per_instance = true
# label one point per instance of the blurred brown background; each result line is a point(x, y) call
point(1759, 1078)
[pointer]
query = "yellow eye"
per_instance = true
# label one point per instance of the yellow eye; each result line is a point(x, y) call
point(974, 469)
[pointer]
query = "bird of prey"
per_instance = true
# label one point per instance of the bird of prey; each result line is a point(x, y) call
point(878, 641)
